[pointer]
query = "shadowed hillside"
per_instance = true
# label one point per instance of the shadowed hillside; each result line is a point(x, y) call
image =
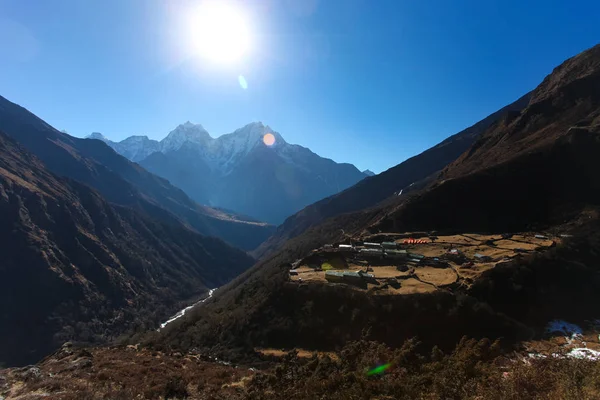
point(533, 168)
point(370, 191)
point(75, 267)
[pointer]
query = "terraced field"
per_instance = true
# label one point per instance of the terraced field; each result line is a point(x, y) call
point(445, 261)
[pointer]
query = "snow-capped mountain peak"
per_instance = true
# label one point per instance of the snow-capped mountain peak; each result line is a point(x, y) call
point(219, 152)
point(252, 170)
point(188, 132)
point(231, 147)
point(97, 135)
point(136, 148)
point(253, 130)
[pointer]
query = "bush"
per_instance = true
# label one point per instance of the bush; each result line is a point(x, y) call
point(176, 389)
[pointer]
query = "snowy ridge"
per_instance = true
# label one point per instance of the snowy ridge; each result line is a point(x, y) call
point(221, 153)
point(575, 346)
point(252, 171)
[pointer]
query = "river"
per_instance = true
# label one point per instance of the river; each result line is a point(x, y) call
point(181, 313)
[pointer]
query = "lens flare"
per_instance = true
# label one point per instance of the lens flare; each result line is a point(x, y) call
point(379, 370)
point(269, 139)
point(243, 82)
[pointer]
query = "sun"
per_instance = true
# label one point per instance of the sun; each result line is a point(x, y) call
point(220, 32)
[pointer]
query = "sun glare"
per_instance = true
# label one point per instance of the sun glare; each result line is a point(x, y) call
point(220, 32)
point(269, 139)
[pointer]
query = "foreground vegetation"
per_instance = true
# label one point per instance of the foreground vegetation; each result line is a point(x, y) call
point(476, 369)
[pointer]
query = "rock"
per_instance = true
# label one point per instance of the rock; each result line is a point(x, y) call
point(84, 353)
point(30, 373)
point(80, 363)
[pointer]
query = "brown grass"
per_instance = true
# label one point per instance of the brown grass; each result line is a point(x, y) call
point(436, 276)
point(475, 369)
point(125, 373)
point(301, 353)
point(412, 285)
point(390, 271)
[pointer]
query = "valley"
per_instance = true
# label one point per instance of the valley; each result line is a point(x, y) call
point(76, 267)
point(123, 182)
point(246, 267)
point(510, 243)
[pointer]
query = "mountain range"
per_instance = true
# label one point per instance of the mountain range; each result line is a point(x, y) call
point(124, 182)
point(241, 171)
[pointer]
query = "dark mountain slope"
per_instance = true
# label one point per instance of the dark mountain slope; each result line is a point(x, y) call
point(185, 170)
point(269, 187)
point(372, 190)
point(537, 167)
point(121, 181)
point(540, 173)
point(75, 267)
point(566, 99)
point(536, 190)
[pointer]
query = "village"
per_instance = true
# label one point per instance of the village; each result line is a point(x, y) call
point(416, 262)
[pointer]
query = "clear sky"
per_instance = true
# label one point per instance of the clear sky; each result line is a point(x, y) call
point(370, 82)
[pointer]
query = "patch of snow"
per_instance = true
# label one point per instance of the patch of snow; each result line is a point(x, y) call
point(584, 353)
point(572, 332)
point(536, 355)
point(581, 353)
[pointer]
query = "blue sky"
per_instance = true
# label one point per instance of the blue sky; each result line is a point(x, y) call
point(370, 82)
